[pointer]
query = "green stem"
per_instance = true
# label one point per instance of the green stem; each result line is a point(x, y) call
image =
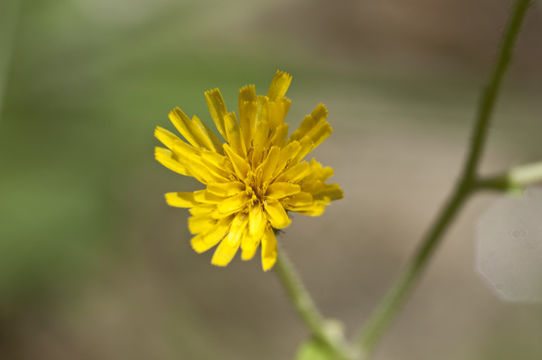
point(490, 92)
point(398, 293)
point(305, 306)
point(467, 184)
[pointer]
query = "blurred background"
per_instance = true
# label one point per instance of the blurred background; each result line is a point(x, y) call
point(94, 265)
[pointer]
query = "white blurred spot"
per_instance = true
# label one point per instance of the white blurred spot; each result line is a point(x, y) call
point(509, 247)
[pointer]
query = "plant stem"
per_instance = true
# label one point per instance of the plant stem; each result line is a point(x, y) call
point(396, 296)
point(399, 291)
point(304, 305)
point(490, 92)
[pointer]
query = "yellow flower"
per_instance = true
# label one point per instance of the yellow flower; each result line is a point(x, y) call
point(254, 178)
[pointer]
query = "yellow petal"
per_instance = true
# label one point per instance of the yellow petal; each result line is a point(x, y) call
point(198, 244)
point(234, 203)
point(203, 172)
point(278, 110)
point(184, 126)
point(318, 115)
point(226, 189)
point(269, 249)
point(316, 177)
point(279, 85)
point(305, 204)
point(166, 137)
point(186, 155)
point(287, 153)
point(206, 197)
point(218, 164)
point(306, 146)
point(225, 252)
point(185, 152)
point(276, 214)
point(261, 123)
point(247, 112)
point(279, 136)
point(256, 221)
point(203, 209)
point(207, 136)
point(217, 108)
point(279, 190)
point(320, 112)
point(240, 164)
point(167, 158)
point(249, 245)
point(295, 173)
point(307, 124)
point(331, 192)
point(205, 241)
point(315, 209)
point(233, 133)
point(200, 224)
point(319, 133)
point(247, 94)
point(299, 199)
point(270, 163)
point(189, 158)
point(228, 246)
point(181, 199)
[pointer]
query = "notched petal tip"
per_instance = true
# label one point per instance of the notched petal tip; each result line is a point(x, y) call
point(283, 74)
point(211, 91)
point(247, 93)
point(279, 85)
point(320, 112)
point(217, 108)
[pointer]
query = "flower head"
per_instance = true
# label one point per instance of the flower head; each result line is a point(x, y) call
point(251, 180)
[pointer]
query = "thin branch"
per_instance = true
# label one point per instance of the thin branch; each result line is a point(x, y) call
point(399, 291)
point(490, 92)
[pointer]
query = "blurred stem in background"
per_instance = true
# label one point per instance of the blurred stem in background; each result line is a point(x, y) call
point(466, 186)
point(469, 183)
point(9, 18)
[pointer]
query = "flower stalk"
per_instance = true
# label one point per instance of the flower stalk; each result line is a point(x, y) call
point(306, 308)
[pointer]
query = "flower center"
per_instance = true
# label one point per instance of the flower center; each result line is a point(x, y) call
point(256, 188)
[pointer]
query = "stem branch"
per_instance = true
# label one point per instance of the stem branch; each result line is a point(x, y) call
point(467, 184)
point(515, 179)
